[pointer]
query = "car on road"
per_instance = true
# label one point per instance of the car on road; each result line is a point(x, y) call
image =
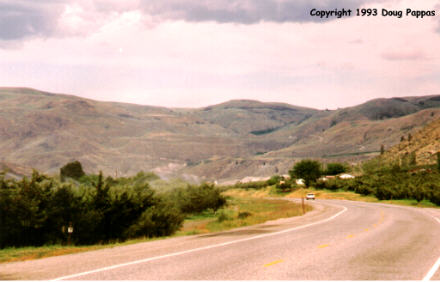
point(310, 196)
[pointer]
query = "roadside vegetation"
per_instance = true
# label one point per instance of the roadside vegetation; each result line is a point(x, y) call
point(36, 213)
point(244, 208)
point(406, 184)
point(90, 209)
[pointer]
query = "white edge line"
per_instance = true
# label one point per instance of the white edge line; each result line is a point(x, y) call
point(198, 249)
point(432, 271)
point(436, 265)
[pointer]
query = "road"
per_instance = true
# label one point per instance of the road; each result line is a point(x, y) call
point(338, 240)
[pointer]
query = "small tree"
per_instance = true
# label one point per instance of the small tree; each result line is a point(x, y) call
point(335, 168)
point(438, 161)
point(309, 170)
point(412, 159)
point(73, 170)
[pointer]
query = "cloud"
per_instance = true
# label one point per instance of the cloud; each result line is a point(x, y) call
point(404, 56)
point(22, 19)
point(243, 11)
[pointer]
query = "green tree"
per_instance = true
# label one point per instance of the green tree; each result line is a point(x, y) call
point(73, 170)
point(309, 170)
point(335, 168)
point(438, 161)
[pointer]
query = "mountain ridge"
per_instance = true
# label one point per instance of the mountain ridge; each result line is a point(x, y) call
point(223, 141)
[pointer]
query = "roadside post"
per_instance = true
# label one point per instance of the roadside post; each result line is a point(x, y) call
point(302, 205)
point(69, 231)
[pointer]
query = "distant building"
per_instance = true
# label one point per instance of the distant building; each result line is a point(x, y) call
point(300, 181)
point(346, 176)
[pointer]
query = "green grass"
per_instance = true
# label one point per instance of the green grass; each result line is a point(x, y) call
point(12, 254)
point(27, 253)
point(245, 207)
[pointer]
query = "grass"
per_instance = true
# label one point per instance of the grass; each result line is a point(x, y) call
point(12, 254)
point(28, 253)
point(245, 207)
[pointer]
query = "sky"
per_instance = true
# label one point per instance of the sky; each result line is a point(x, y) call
point(195, 53)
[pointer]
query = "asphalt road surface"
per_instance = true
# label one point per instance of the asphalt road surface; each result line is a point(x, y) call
point(338, 240)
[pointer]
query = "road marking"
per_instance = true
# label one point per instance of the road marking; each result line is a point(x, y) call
point(323, 246)
point(274, 262)
point(436, 265)
point(366, 229)
point(432, 271)
point(201, 248)
point(350, 236)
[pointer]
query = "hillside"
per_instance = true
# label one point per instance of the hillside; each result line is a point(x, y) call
point(424, 144)
point(231, 140)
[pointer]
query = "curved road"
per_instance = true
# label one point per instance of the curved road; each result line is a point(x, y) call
point(338, 240)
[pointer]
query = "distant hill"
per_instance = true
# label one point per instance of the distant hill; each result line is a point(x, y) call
point(228, 141)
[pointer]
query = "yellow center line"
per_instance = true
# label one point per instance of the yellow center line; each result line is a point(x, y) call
point(366, 229)
point(323, 246)
point(350, 236)
point(274, 262)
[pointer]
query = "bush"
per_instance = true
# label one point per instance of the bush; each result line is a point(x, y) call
point(243, 215)
point(195, 199)
point(335, 168)
point(275, 179)
point(38, 211)
point(73, 170)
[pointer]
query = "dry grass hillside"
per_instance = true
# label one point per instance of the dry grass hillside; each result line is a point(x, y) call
point(424, 144)
point(222, 142)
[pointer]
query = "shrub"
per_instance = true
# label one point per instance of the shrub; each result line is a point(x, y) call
point(243, 215)
point(195, 199)
point(73, 170)
point(335, 168)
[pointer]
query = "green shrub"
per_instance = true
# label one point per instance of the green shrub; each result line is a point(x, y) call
point(73, 170)
point(195, 199)
point(335, 168)
point(243, 215)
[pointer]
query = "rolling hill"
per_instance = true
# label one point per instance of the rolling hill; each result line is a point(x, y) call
point(231, 140)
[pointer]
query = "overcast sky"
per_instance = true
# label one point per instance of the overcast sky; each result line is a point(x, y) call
point(193, 53)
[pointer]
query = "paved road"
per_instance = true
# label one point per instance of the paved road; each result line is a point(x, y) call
point(339, 240)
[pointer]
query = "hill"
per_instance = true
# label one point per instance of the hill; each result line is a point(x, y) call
point(231, 140)
point(423, 146)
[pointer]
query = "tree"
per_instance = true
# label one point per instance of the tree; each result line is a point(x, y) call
point(309, 170)
point(412, 159)
point(73, 170)
point(438, 161)
point(382, 149)
point(335, 168)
